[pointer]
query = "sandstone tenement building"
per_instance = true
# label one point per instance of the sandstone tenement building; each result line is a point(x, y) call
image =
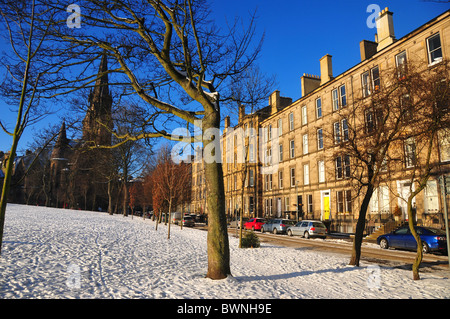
point(311, 181)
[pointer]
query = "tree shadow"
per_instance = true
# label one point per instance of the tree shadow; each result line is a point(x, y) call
point(295, 274)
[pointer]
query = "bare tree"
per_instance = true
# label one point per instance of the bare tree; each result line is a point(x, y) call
point(27, 75)
point(426, 121)
point(170, 181)
point(370, 128)
point(173, 49)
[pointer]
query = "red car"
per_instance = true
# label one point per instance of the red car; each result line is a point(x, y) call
point(254, 223)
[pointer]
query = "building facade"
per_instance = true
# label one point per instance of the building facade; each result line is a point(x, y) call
point(311, 180)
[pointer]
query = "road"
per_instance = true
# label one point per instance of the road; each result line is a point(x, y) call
point(370, 251)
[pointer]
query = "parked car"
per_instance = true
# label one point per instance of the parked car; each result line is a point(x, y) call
point(277, 225)
point(254, 223)
point(308, 228)
point(432, 239)
point(188, 221)
point(236, 223)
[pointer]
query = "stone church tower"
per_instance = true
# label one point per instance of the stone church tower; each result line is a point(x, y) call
point(79, 170)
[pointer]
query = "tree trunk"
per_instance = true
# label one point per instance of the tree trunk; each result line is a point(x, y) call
point(419, 255)
point(170, 218)
point(110, 209)
point(360, 225)
point(6, 186)
point(218, 246)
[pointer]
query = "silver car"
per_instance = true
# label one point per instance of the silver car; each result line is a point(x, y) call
point(308, 228)
point(277, 225)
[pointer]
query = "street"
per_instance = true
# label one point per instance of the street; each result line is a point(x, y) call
point(371, 252)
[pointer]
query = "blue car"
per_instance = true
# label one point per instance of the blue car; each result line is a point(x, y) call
point(433, 240)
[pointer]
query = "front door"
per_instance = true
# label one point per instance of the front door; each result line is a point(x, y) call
point(404, 191)
point(325, 203)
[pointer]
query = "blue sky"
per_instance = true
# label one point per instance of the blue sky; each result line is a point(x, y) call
point(297, 34)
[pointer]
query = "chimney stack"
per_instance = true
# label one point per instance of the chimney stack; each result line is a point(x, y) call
point(241, 112)
point(326, 69)
point(309, 83)
point(367, 49)
point(385, 29)
point(278, 102)
point(227, 122)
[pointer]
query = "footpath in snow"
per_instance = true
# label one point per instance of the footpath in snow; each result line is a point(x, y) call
point(57, 253)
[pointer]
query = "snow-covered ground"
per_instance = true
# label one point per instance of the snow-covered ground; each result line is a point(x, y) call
point(52, 253)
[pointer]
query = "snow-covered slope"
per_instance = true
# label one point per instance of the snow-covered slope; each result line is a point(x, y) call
point(54, 253)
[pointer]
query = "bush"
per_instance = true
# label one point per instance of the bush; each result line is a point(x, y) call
point(250, 240)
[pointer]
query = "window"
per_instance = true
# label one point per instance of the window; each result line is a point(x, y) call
point(286, 204)
point(280, 127)
point(280, 179)
point(370, 121)
point(306, 174)
point(342, 167)
point(410, 152)
point(269, 156)
point(340, 201)
point(292, 173)
point(344, 126)
point(343, 96)
point(434, 49)
point(305, 144)
point(310, 203)
point(365, 84)
point(321, 170)
point(339, 167)
point(251, 153)
point(304, 115)
point(375, 72)
point(251, 178)
point(318, 108)
point(400, 60)
point(348, 201)
point(379, 202)
point(319, 139)
point(406, 108)
point(335, 99)
point(370, 81)
point(291, 121)
point(337, 132)
point(270, 132)
point(346, 166)
point(281, 152)
point(292, 148)
point(268, 180)
point(431, 197)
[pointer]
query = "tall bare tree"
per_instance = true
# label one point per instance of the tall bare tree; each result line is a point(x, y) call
point(426, 123)
point(27, 30)
point(171, 48)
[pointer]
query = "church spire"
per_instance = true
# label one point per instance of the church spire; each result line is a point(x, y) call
point(101, 85)
point(97, 124)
